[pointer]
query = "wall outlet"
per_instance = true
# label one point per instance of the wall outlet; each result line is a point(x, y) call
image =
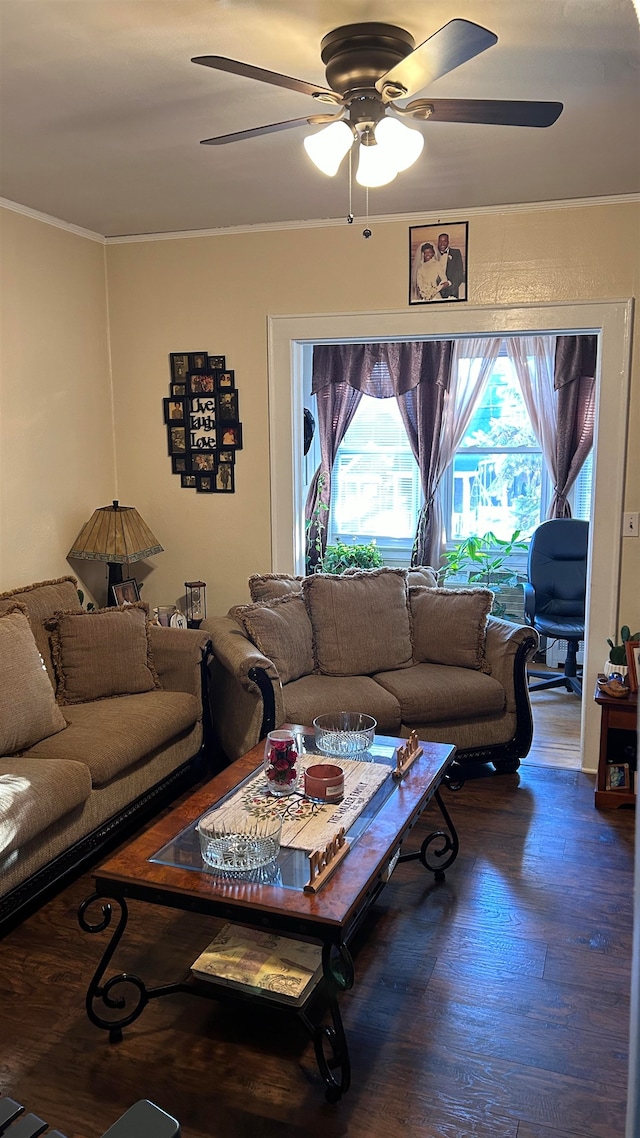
point(630, 524)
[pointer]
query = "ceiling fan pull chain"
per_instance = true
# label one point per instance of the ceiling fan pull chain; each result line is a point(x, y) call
point(350, 214)
point(366, 232)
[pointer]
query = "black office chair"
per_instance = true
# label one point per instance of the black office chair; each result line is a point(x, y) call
point(554, 596)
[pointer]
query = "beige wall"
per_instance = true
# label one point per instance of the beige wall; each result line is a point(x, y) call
point(56, 437)
point(215, 293)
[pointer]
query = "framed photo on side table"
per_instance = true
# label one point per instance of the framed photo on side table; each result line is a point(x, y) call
point(438, 262)
point(127, 592)
point(618, 776)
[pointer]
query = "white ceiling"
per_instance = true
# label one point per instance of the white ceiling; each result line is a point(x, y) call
point(102, 112)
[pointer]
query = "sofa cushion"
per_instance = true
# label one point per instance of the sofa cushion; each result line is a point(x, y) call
point(34, 795)
point(449, 626)
point(267, 586)
point(360, 622)
point(113, 734)
point(41, 601)
point(102, 653)
point(422, 575)
point(281, 630)
point(430, 693)
point(28, 710)
point(310, 696)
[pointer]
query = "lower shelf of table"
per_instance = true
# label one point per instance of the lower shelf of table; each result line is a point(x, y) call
point(612, 799)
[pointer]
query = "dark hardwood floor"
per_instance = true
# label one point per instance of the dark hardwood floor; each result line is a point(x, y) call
point(493, 1005)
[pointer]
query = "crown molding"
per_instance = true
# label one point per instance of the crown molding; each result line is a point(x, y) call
point(55, 221)
point(423, 218)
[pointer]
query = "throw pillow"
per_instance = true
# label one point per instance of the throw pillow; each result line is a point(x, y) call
point(360, 621)
point(102, 653)
point(28, 710)
point(268, 586)
point(450, 626)
point(422, 575)
point(281, 630)
point(41, 600)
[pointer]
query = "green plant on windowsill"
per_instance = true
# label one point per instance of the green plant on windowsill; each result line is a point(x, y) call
point(618, 652)
point(483, 561)
point(341, 556)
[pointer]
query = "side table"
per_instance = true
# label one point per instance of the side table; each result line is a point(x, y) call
point(618, 733)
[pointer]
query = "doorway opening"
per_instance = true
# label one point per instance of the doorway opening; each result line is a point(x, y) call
point(291, 336)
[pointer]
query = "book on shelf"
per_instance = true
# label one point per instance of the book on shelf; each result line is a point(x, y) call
point(261, 963)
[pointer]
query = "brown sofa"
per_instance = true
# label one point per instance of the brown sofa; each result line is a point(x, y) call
point(122, 734)
point(385, 642)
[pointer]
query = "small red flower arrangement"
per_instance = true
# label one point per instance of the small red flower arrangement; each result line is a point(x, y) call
point(280, 761)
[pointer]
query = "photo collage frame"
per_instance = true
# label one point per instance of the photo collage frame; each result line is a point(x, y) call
point(202, 416)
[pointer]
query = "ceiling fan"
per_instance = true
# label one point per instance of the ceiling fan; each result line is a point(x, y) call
point(370, 67)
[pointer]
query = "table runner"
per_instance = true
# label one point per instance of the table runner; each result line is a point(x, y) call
point(308, 825)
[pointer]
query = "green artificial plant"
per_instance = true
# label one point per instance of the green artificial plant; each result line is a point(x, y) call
point(340, 556)
point(484, 561)
point(618, 652)
point(314, 528)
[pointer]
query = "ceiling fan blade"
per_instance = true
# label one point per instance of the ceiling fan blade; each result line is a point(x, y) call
point(494, 112)
point(236, 67)
point(446, 49)
point(270, 128)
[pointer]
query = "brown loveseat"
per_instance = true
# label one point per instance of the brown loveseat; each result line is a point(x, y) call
point(384, 642)
point(126, 730)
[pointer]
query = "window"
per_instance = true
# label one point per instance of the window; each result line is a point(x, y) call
point(497, 481)
point(376, 489)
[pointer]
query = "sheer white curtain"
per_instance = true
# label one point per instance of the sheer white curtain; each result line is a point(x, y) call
point(471, 365)
point(533, 358)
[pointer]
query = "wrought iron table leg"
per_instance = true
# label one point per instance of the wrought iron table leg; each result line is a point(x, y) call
point(443, 855)
point(330, 1042)
point(99, 991)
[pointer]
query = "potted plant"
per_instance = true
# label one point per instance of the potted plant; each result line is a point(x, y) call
point(484, 562)
point(617, 661)
point(341, 556)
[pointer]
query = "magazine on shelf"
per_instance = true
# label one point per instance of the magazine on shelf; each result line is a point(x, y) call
point(261, 963)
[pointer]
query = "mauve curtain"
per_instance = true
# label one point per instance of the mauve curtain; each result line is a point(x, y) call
point(575, 384)
point(556, 376)
point(533, 358)
point(436, 428)
point(336, 405)
point(342, 374)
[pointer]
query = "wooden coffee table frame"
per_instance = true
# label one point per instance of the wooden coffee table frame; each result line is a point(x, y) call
point(330, 916)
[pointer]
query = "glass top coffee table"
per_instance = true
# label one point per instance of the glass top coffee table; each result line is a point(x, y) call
point(163, 866)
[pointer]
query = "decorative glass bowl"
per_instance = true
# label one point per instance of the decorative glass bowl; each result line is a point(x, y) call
point(344, 733)
point(236, 844)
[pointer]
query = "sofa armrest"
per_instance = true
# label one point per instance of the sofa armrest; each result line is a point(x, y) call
point(245, 691)
point(177, 657)
point(508, 647)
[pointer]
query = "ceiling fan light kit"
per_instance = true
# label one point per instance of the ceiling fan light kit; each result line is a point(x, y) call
point(403, 145)
point(328, 147)
point(385, 149)
point(369, 67)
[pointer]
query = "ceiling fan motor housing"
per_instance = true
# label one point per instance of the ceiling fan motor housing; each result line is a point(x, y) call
point(357, 55)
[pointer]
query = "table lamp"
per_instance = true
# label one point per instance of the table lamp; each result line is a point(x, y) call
point(118, 535)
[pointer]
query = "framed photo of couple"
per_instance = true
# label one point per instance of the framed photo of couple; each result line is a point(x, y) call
point(438, 262)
